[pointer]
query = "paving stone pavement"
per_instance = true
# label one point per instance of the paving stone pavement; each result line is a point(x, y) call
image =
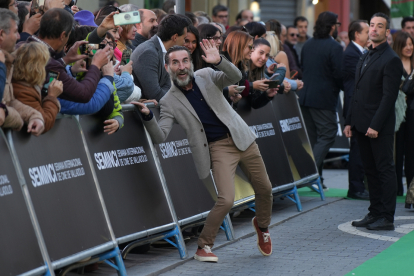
point(304, 243)
point(309, 244)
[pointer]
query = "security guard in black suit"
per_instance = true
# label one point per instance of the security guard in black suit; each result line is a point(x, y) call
point(371, 118)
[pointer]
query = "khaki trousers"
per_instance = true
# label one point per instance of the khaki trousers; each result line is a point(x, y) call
point(224, 160)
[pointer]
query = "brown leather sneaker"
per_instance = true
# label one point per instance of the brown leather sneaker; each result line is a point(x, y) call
point(205, 255)
point(264, 243)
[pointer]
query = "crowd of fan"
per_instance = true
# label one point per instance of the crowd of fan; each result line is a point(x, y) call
point(43, 72)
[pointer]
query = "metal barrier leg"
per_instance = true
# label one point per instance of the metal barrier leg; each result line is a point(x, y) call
point(180, 242)
point(115, 254)
point(320, 189)
point(48, 272)
point(297, 199)
point(227, 226)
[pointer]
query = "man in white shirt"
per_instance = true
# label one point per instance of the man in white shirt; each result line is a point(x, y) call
point(358, 35)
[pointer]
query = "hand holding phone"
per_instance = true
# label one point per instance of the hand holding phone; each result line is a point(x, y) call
point(239, 89)
point(127, 18)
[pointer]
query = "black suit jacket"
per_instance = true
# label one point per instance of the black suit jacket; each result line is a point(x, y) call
point(321, 71)
point(376, 90)
point(349, 64)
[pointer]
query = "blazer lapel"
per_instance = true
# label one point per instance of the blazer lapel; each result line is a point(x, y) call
point(373, 59)
point(181, 97)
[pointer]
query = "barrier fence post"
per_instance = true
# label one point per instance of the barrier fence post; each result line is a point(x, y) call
point(29, 203)
point(178, 234)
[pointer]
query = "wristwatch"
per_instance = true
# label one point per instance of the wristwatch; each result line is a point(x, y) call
point(2, 105)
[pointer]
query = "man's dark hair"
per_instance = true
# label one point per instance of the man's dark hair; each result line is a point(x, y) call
point(255, 28)
point(290, 26)
point(192, 17)
point(54, 22)
point(355, 26)
point(168, 5)
point(405, 20)
point(383, 15)
point(172, 24)
point(176, 49)
point(219, 8)
point(299, 18)
point(324, 24)
point(4, 4)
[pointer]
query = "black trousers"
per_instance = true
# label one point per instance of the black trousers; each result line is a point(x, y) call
point(322, 127)
point(378, 160)
point(355, 169)
point(404, 149)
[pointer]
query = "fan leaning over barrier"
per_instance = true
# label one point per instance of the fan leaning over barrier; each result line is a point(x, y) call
point(215, 132)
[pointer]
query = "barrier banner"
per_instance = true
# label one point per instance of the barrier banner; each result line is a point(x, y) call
point(17, 235)
point(263, 123)
point(190, 195)
point(290, 123)
point(62, 189)
point(127, 175)
point(341, 142)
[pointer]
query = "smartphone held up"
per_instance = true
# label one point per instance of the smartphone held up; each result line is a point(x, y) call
point(127, 18)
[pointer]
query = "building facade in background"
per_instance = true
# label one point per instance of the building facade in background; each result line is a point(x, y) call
point(283, 10)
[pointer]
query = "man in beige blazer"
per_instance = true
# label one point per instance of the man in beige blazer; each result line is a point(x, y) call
point(219, 138)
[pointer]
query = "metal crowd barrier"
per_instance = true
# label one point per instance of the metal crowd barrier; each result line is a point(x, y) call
point(83, 192)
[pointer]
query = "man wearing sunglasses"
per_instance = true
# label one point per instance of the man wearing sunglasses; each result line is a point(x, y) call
point(289, 48)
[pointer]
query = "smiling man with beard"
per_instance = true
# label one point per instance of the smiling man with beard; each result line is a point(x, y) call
point(219, 138)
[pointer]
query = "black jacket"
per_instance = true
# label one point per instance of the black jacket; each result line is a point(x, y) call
point(293, 59)
point(321, 71)
point(376, 90)
point(349, 63)
point(138, 40)
point(256, 98)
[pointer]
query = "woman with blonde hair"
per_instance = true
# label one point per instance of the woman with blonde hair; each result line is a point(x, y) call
point(28, 78)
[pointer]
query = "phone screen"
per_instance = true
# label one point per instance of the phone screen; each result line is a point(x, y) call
point(53, 76)
point(41, 2)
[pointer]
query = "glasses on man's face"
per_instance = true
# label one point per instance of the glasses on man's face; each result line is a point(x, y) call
point(293, 35)
point(222, 16)
point(215, 38)
point(339, 24)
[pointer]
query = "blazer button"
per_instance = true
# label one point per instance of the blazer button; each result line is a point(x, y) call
point(205, 145)
point(202, 130)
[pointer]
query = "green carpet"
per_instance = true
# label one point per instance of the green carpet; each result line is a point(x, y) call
point(332, 192)
point(395, 260)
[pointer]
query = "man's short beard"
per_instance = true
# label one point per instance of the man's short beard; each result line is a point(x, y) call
point(174, 75)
